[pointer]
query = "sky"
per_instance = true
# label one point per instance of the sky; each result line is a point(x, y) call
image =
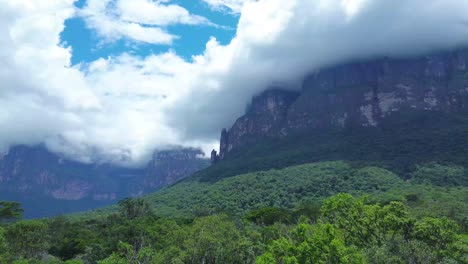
point(84, 32)
point(115, 80)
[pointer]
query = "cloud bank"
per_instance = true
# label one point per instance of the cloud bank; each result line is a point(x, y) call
point(119, 109)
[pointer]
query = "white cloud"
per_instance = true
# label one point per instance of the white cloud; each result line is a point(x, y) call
point(120, 108)
point(137, 20)
point(154, 13)
point(232, 5)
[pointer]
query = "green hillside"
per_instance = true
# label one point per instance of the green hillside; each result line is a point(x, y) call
point(292, 187)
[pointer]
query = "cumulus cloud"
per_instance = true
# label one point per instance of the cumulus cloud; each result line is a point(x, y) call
point(40, 94)
point(137, 20)
point(119, 109)
point(154, 13)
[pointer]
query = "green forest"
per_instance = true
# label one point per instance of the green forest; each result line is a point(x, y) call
point(323, 212)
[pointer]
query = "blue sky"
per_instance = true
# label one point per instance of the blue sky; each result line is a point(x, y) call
point(88, 46)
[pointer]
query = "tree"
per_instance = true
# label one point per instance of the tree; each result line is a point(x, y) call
point(27, 239)
point(309, 209)
point(3, 245)
point(134, 208)
point(439, 233)
point(388, 233)
point(128, 255)
point(2, 240)
point(440, 175)
point(68, 239)
point(320, 243)
point(363, 224)
point(216, 239)
point(10, 211)
point(269, 215)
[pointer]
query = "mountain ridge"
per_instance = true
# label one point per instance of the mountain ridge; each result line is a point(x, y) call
point(33, 174)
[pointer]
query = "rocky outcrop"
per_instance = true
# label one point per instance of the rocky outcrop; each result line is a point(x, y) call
point(214, 157)
point(265, 116)
point(360, 94)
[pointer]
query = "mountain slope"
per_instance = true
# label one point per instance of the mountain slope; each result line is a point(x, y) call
point(399, 143)
point(297, 186)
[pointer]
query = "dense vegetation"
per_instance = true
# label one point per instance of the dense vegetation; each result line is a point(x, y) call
point(344, 230)
point(306, 184)
point(297, 214)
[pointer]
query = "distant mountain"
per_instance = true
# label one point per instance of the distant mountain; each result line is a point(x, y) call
point(48, 184)
point(170, 166)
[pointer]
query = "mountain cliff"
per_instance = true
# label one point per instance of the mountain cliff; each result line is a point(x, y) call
point(40, 179)
point(168, 167)
point(365, 94)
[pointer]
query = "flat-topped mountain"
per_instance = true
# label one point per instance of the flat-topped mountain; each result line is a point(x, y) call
point(361, 94)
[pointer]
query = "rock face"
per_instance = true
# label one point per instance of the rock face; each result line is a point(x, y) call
point(34, 170)
point(265, 117)
point(361, 94)
point(168, 167)
point(33, 174)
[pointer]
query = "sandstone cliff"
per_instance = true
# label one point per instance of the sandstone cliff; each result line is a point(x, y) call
point(359, 94)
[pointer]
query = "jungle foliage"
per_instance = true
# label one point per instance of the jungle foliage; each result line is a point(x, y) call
point(344, 229)
point(325, 212)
